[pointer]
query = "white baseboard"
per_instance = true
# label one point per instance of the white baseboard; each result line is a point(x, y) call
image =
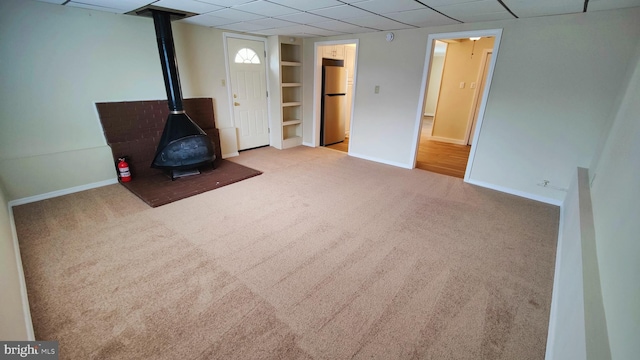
point(387, 162)
point(62, 192)
point(448, 140)
point(224, 156)
point(308, 144)
point(523, 194)
point(23, 284)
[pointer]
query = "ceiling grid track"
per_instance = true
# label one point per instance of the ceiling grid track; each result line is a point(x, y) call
point(507, 8)
point(372, 13)
point(439, 12)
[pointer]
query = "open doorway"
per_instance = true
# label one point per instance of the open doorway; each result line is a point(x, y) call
point(335, 83)
point(457, 77)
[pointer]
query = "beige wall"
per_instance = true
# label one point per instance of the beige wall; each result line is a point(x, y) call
point(454, 103)
point(62, 61)
point(555, 83)
point(13, 325)
point(616, 210)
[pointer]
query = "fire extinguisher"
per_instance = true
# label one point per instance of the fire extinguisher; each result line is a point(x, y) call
point(123, 170)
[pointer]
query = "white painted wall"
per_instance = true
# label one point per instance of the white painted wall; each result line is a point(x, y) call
point(13, 325)
point(616, 209)
point(62, 61)
point(555, 83)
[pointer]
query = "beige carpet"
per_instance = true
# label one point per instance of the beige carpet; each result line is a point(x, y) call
point(323, 256)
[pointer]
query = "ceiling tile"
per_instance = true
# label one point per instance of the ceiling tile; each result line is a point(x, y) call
point(611, 4)
point(323, 32)
point(301, 29)
point(421, 18)
point(207, 20)
point(270, 23)
point(59, 2)
point(474, 11)
point(121, 6)
point(226, 3)
point(340, 26)
point(306, 5)
point(378, 23)
point(191, 6)
point(294, 34)
point(302, 18)
point(386, 6)
point(481, 6)
point(236, 15)
point(265, 8)
point(486, 17)
point(434, 3)
point(242, 26)
point(341, 12)
point(524, 8)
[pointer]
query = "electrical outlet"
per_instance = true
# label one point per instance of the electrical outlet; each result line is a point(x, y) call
point(377, 89)
point(223, 82)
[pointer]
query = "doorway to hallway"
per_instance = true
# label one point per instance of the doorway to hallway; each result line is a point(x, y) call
point(457, 77)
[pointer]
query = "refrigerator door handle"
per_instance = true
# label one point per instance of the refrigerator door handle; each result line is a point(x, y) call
point(335, 94)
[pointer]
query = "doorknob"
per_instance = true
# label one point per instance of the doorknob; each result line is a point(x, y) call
point(236, 104)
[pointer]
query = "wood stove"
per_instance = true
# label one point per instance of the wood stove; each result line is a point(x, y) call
point(183, 146)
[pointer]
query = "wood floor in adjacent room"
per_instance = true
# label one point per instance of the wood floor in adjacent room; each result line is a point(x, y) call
point(435, 156)
point(341, 146)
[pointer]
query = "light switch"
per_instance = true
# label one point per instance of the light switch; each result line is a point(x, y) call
point(377, 89)
point(462, 85)
point(224, 82)
point(473, 85)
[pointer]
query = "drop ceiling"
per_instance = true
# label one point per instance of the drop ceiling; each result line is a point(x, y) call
point(314, 18)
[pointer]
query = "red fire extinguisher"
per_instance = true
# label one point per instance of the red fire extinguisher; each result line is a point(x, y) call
point(123, 170)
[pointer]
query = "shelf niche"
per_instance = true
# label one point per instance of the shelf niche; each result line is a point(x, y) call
point(289, 130)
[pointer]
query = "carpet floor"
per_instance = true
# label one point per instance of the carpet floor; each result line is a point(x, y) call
point(323, 256)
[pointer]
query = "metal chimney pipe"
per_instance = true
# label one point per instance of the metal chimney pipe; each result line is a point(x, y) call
point(166, 49)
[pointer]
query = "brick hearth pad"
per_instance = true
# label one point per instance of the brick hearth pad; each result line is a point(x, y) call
point(158, 189)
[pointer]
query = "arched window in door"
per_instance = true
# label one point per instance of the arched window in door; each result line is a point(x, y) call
point(247, 56)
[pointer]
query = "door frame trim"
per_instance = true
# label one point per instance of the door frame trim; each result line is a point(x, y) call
point(317, 89)
point(476, 95)
point(225, 37)
point(497, 34)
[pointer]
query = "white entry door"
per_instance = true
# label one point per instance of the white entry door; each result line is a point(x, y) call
point(247, 72)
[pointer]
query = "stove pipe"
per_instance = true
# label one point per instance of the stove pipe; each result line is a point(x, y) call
point(183, 145)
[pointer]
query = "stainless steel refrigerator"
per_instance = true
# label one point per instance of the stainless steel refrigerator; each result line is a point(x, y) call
point(334, 104)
